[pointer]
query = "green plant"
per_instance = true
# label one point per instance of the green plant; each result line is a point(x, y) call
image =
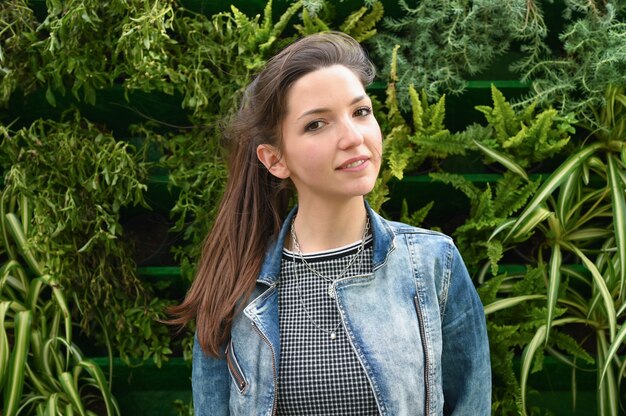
point(577, 214)
point(42, 370)
point(577, 222)
point(17, 31)
point(77, 179)
point(360, 24)
point(84, 46)
point(517, 139)
point(196, 176)
point(515, 309)
point(442, 44)
point(527, 136)
point(572, 75)
point(407, 145)
point(211, 75)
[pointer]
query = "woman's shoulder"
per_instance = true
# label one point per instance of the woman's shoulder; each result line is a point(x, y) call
point(390, 229)
point(402, 228)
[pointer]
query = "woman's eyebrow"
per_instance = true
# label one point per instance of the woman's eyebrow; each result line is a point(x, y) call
point(325, 110)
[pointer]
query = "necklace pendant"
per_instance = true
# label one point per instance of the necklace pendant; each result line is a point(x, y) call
point(333, 335)
point(331, 291)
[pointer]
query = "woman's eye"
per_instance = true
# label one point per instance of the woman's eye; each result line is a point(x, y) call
point(314, 125)
point(363, 112)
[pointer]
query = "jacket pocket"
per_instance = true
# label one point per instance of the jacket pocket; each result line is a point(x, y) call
point(234, 369)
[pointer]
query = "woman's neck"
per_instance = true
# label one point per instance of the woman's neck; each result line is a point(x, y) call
point(324, 226)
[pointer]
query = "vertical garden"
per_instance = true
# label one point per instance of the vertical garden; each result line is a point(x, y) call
point(504, 126)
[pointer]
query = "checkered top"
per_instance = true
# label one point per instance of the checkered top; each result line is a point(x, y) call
point(319, 375)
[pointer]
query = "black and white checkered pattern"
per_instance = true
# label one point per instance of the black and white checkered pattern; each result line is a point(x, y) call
point(319, 375)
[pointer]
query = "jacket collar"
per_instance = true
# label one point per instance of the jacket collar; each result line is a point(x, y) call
point(384, 243)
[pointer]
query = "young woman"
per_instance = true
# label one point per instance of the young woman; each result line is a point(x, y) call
point(328, 309)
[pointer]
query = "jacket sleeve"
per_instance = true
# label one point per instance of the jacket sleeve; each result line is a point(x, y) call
point(210, 383)
point(465, 357)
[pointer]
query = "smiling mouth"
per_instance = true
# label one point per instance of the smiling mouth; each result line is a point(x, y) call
point(353, 164)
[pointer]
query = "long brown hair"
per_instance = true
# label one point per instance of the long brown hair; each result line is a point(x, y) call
point(255, 202)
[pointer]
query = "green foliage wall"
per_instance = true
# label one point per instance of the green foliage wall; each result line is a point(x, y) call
point(111, 116)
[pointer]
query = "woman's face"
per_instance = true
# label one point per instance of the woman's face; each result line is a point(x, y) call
point(331, 141)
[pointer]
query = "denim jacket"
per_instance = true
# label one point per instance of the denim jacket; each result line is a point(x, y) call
point(416, 325)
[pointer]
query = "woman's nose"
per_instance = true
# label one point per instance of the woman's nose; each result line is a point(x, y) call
point(350, 134)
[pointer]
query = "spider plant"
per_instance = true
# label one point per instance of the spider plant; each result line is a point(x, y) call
point(42, 371)
point(577, 222)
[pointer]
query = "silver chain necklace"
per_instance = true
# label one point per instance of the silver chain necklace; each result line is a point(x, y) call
point(331, 287)
point(331, 333)
point(357, 255)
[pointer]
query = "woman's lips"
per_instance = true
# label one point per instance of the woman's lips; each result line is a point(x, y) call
point(354, 163)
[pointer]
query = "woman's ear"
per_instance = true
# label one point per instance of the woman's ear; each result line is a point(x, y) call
point(273, 161)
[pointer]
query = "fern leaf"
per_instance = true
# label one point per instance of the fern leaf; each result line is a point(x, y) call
point(484, 207)
point(518, 139)
point(571, 346)
point(267, 18)
point(361, 26)
point(437, 114)
point(417, 217)
point(396, 151)
point(525, 193)
point(541, 127)
point(416, 109)
point(439, 145)
point(473, 132)
point(494, 253)
point(398, 160)
point(352, 20)
point(507, 192)
point(393, 74)
point(311, 24)
point(488, 292)
point(367, 26)
point(527, 113)
point(279, 27)
point(544, 135)
point(458, 182)
point(391, 102)
point(504, 118)
point(241, 20)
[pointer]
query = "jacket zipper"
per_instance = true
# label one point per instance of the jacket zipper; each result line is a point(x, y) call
point(267, 341)
point(426, 357)
point(234, 368)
